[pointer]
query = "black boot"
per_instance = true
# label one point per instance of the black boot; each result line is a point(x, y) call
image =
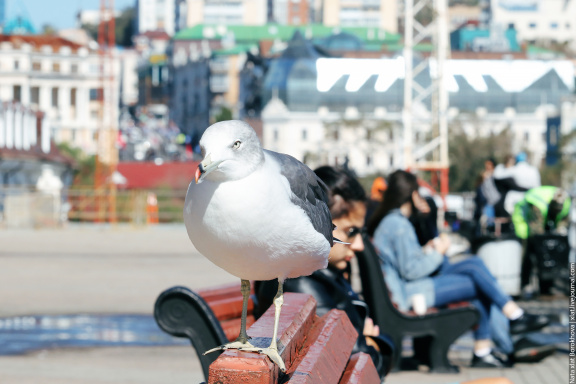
point(528, 323)
point(528, 351)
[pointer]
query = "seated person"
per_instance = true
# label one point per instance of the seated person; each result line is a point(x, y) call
point(330, 287)
point(411, 269)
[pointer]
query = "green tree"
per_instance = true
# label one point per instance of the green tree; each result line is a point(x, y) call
point(85, 165)
point(563, 173)
point(223, 115)
point(48, 29)
point(123, 28)
point(467, 155)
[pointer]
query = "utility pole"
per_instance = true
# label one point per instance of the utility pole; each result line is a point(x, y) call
point(426, 21)
point(107, 155)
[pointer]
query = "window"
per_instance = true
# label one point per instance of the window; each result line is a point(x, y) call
point(95, 94)
point(532, 25)
point(304, 135)
point(56, 67)
point(17, 93)
point(567, 25)
point(74, 68)
point(16, 64)
point(73, 97)
point(55, 97)
point(368, 161)
point(36, 66)
point(35, 95)
point(275, 134)
point(553, 25)
point(526, 136)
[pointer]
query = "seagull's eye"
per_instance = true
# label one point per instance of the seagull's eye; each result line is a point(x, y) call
point(236, 144)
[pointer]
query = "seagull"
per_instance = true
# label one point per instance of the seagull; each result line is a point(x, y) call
point(257, 214)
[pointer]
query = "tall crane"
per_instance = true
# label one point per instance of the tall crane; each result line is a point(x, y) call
point(107, 155)
point(426, 21)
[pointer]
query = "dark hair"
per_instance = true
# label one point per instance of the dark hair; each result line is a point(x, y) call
point(343, 189)
point(401, 185)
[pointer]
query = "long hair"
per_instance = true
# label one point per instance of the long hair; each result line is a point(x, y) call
point(401, 185)
point(343, 190)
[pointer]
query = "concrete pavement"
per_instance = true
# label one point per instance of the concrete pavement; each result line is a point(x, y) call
point(90, 269)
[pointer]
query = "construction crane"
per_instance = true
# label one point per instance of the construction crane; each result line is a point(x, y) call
point(433, 155)
point(107, 154)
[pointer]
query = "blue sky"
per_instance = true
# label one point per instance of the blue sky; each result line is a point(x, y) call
point(59, 13)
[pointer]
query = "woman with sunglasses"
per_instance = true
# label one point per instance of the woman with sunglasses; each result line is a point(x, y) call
point(330, 287)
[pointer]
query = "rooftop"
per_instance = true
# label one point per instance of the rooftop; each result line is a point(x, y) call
point(37, 41)
point(254, 33)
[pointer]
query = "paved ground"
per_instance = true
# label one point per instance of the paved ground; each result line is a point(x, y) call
point(99, 269)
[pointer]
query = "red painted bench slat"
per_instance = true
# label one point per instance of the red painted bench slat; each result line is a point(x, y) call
point(360, 370)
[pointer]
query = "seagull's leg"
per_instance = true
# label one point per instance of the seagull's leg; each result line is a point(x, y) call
point(242, 341)
point(272, 350)
point(245, 289)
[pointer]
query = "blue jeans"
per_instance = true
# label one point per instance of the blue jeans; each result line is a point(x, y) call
point(469, 280)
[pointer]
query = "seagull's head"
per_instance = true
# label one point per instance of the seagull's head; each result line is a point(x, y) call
point(231, 151)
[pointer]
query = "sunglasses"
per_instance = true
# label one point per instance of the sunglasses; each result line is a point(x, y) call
point(353, 231)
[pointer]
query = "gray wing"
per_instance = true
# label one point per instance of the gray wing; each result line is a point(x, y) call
point(309, 192)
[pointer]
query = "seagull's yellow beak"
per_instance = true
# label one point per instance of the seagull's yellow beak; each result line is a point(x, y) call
point(206, 166)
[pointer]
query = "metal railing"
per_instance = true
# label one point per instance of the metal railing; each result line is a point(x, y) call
point(28, 207)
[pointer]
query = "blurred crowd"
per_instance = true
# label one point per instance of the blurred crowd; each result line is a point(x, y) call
point(146, 134)
point(401, 226)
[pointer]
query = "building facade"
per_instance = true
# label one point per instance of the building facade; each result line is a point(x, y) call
point(363, 13)
point(59, 78)
point(334, 109)
point(155, 15)
point(232, 12)
point(548, 20)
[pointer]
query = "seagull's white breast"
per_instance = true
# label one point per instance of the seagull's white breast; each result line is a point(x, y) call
point(250, 228)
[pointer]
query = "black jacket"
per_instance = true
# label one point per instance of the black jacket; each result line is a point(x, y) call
point(331, 291)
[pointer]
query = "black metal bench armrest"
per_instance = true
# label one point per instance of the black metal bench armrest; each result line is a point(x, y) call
point(183, 313)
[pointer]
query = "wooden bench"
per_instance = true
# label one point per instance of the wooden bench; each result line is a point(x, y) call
point(433, 332)
point(314, 349)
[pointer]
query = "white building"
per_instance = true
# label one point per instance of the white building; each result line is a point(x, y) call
point(92, 16)
point(62, 80)
point(231, 12)
point(156, 15)
point(322, 137)
point(360, 13)
point(337, 109)
point(552, 20)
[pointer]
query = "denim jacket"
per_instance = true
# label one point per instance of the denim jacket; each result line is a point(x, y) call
point(405, 265)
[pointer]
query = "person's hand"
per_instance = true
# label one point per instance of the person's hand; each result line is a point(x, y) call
point(442, 243)
point(420, 203)
point(370, 329)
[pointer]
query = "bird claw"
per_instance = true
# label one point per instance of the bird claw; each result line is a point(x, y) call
point(233, 345)
point(272, 353)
